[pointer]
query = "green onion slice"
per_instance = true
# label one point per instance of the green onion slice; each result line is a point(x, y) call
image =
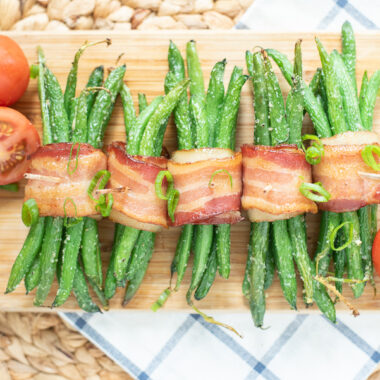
point(105, 202)
point(69, 171)
point(161, 299)
point(216, 172)
point(315, 152)
point(335, 231)
point(30, 212)
point(173, 199)
point(158, 184)
point(315, 192)
point(75, 220)
point(34, 70)
point(368, 156)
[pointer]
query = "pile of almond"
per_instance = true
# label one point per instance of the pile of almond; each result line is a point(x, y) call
point(62, 15)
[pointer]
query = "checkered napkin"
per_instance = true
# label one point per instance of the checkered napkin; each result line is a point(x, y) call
point(180, 346)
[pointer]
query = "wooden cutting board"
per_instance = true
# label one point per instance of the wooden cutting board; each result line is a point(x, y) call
point(145, 54)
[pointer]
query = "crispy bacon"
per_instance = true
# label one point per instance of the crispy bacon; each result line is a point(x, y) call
point(342, 172)
point(57, 184)
point(272, 177)
point(138, 206)
point(202, 202)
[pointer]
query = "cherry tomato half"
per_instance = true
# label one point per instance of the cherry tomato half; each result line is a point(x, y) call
point(376, 252)
point(14, 71)
point(18, 140)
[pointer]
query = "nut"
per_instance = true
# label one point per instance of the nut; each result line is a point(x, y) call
point(192, 21)
point(173, 7)
point(103, 23)
point(83, 23)
point(215, 20)
point(123, 14)
point(35, 9)
point(145, 4)
point(231, 8)
point(160, 22)
point(55, 9)
point(34, 22)
point(201, 6)
point(104, 7)
point(55, 25)
point(139, 16)
point(121, 26)
point(78, 8)
point(10, 13)
point(26, 5)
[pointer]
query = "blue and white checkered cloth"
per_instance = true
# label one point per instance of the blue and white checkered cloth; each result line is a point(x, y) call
point(180, 346)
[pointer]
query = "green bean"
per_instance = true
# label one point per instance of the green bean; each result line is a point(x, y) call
point(181, 115)
point(157, 151)
point(103, 106)
point(367, 104)
point(349, 51)
point(70, 251)
point(183, 251)
point(13, 187)
point(354, 261)
point(144, 243)
point(49, 256)
point(33, 276)
point(95, 80)
point(312, 106)
point(135, 133)
point(269, 263)
point(81, 292)
point(259, 242)
point(209, 274)
point(197, 96)
point(99, 293)
point(175, 61)
point(335, 101)
point(57, 113)
point(225, 138)
point(162, 112)
point(366, 241)
point(214, 99)
point(261, 132)
point(44, 105)
point(202, 247)
point(91, 257)
point(363, 92)
point(128, 108)
point(297, 234)
point(314, 83)
point(143, 103)
point(71, 82)
point(340, 258)
point(279, 125)
point(25, 258)
point(123, 252)
point(79, 125)
point(145, 251)
point(348, 91)
point(284, 262)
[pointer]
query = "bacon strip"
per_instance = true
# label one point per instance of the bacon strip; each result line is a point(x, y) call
point(199, 201)
point(51, 161)
point(340, 172)
point(138, 207)
point(272, 177)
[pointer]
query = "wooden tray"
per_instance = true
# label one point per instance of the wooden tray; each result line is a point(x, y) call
point(145, 54)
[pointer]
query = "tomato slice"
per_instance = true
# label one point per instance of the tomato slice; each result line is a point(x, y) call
point(18, 140)
point(376, 252)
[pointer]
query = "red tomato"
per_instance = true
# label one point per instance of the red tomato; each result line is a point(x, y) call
point(18, 140)
point(14, 71)
point(376, 252)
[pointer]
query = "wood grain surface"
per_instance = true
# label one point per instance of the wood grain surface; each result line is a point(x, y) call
point(145, 54)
